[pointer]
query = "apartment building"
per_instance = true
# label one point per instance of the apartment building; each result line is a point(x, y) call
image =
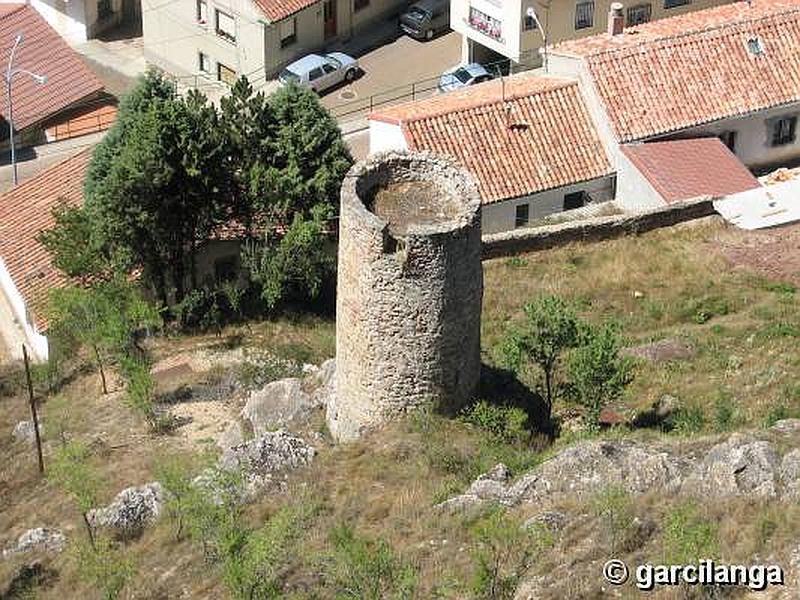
point(219, 40)
point(495, 30)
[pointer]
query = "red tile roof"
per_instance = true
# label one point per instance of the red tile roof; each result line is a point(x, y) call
point(24, 212)
point(695, 68)
point(43, 52)
point(522, 135)
point(684, 169)
point(277, 10)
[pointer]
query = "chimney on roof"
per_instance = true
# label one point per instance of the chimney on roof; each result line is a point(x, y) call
point(616, 20)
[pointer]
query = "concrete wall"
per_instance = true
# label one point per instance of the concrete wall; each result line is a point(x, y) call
point(500, 216)
point(310, 37)
point(385, 136)
point(75, 20)
point(173, 38)
point(408, 302)
point(557, 18)
point(594, 229)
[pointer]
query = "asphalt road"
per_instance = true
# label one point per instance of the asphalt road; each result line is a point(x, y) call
point(390, 70)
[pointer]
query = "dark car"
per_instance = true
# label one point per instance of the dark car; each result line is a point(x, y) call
point(426, 18)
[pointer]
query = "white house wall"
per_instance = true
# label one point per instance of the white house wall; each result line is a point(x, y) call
point(634, 191)
point(500, 216)
point(36, 341)
point(385, 136)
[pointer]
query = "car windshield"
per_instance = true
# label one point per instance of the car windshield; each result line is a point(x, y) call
point(417, 13)
point(462, 75)
point(287, 75)
point(334, 62)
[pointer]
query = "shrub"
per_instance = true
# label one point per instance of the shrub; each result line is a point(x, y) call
point(686, 420)
point(504, 551)
point(260, 368)
point(613, 505)
point(104, 567)
point(140, 390)
point(725, 416)
point(688, 537)
point(70, 470)
point(702, 310)
point(364, 569)
point(504, 423)
point(175, 476)
point(597, 373)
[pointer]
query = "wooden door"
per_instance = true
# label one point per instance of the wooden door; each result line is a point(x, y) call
point(329, 17)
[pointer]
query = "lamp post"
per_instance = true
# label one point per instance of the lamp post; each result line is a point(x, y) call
point(531, 12)
point(9, 75)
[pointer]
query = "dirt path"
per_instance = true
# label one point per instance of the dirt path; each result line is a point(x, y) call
point(774, 252)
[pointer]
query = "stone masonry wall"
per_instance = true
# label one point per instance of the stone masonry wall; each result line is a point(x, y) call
point(408, 306)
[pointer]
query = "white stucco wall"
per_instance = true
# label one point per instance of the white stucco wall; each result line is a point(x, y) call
point(500, 216)
point(36, 341)
point(634, 191)
point(385, 136)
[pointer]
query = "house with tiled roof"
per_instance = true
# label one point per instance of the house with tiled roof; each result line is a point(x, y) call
point(27, 273)
point(71, 102)
point(529, 142)
point(26, 270)
point(731, 72)
point(201, 41)
point(79, 20)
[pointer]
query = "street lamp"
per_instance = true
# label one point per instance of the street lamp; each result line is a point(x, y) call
point(9, 75)
point(531, 13)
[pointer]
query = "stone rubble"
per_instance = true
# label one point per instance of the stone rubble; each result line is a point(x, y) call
point(39, 538)
point(132, 510)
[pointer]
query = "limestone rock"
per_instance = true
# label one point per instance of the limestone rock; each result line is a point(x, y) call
point(739, 466)
point(324, 383)
point(552, 520)
point(577, 471)
point(24, 432)
point(131, 511)
point(660, 351)
point(232, 436)
point(790, 476)
point(277, 404)
point(787, 426)
point(268, 453)
point(39, 538)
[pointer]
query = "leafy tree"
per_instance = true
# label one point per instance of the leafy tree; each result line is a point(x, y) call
point(103, 318)
point(298, 263)
point(70, 470)
point(597, 373)
point(550, 328)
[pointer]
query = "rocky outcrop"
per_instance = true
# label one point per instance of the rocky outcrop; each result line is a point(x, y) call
point(739, 466)
point(132, 510)
point(660, 351)
point(37, 539)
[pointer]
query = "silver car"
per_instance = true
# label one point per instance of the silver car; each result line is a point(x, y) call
point(321, 72)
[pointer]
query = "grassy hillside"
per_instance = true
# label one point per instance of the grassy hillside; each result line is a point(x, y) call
point(743, 331)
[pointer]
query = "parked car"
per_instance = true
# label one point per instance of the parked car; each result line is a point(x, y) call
point(426, 18)
point(321, 72)
point(461, 76)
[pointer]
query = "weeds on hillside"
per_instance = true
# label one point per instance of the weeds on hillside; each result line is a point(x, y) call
point(613, 505)
point(104, 566)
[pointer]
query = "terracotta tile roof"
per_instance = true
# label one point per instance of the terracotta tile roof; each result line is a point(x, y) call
point(520, 136)
point(24, 212)
point(684, 169)
point(43, 52)
point(695, 68)
point(277, 10)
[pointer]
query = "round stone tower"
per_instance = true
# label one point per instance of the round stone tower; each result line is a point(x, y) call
point(410, 286)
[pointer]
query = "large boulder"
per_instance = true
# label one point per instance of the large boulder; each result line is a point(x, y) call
point(491, 487)
point(132, 510)
point(271, 452)
point(38, 539)
point(739, 466)
point(277, 404)
point(790, 476)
